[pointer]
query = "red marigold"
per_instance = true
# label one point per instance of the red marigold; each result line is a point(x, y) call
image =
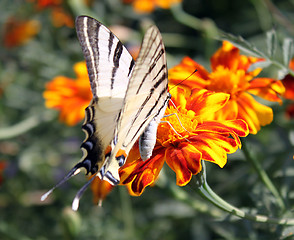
point(193, 138)
point(18, 32)
point(230, 75)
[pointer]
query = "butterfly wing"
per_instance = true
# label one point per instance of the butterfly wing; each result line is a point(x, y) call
point(109, 67)
point(146, 99)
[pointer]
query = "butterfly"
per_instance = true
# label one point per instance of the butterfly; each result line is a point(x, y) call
point(129, 100)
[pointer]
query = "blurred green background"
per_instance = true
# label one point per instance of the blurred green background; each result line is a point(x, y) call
point(36, 150)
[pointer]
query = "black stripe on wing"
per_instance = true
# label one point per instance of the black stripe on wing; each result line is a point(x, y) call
point(85, 28)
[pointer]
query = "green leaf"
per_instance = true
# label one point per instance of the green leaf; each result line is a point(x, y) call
point(271, 42)
point(242, 44)
point(260, 64)
point(287, 50)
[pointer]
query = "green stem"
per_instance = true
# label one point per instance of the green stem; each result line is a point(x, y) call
point(178, 193)
point(127, 213)
point(263, 175)
point(206, 192)
point(206, 25)
point(25, 125)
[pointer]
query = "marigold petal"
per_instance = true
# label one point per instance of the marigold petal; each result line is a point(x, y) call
point(229, 111)
point(181, 74)
point(214, 147)
point(267, 88)
point(69, 96)
point(19, 32)
point(205, 103)
point(288, 82)
point(234, 127)
point(139, 174)
point(253, 113)
point(227, 56)
point(100, 189)
point(184, 161)
point(179, 96)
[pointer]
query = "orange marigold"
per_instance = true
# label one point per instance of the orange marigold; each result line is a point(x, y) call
point(100, 189)
point(18, 32)
point(69, 96)
point(147, 6)
point(192, 138)
point(230, 74)
point(59, 15)
point(288, 82)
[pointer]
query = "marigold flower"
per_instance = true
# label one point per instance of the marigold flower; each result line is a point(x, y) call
point(60, 17)
point(42, 4)
point(192, 138)
point(147, 6)
point(69, 96)
point(18, 32)
point(3, 165)
point(100, 189)
point(288, 82)
point(230, 75)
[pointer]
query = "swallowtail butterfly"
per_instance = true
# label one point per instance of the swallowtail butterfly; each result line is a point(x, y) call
point(129, 99)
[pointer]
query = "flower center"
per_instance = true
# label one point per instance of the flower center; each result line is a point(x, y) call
point(177, 126)
point(225, 80)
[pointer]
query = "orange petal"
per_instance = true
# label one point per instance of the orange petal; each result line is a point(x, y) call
point(227, 56)
point(100, 189)
point(181, 74)
point(288, 82)
point(205, 103)
point(184, 161)
point(253, 113)
point(229, 111)
point(267, 88)
point(139, 174)
point(18, 32)
point(214, 147)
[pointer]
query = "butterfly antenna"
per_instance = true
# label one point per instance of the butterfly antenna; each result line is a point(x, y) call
point(184, 79)
point(76, 201)
point(74, 171)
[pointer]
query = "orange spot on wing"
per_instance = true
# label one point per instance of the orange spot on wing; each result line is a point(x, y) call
point(121, 153)
point(108, 150)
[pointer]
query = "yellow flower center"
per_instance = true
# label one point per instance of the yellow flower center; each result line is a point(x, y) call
point(177, 126)
point(225, 80)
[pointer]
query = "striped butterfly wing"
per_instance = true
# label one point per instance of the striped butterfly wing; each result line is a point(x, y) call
point(109, 67)
point(146, 100)
point(126, 98)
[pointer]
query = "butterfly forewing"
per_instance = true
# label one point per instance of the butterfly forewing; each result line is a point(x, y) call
point(109, 63)
point(146, 98)
point(109, 67)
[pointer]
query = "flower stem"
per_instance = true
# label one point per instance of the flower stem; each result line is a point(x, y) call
point(178, 193)
point(25, 125)
point(263, 175)
point(206, 192)
point(207, 25)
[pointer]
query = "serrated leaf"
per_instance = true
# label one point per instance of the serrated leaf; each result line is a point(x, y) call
point(271, 42)
point(260, 64)
point(242, 44)
point(287, 50)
